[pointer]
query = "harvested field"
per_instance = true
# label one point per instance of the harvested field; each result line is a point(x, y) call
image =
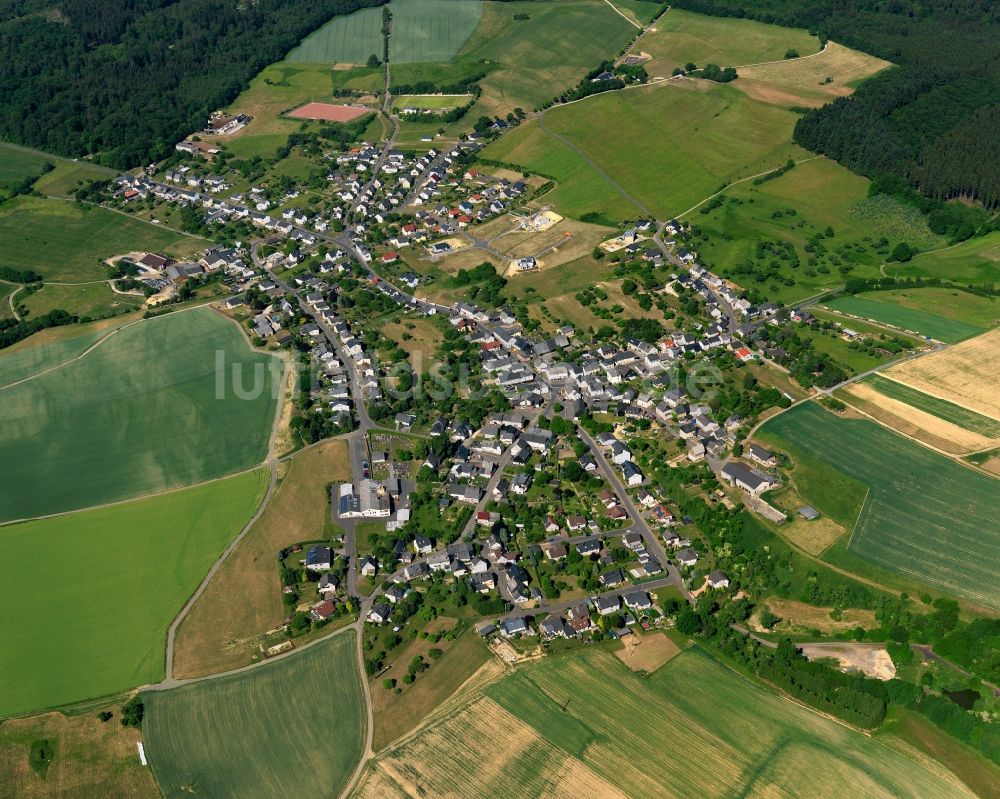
point(88, 753)
point(963, 374)
point(912, 421)
point(804, 81)
point(292, 727)
point(925, 516)
point(328, 112)
point(646, 653)
point(587, 725)
point(218, 634)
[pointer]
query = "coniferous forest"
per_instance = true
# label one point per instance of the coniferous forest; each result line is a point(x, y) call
point(933, 120)
point(126, 79)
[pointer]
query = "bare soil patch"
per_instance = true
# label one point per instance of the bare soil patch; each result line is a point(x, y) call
point(964, 374)
point(869, 660)
point(646, 653)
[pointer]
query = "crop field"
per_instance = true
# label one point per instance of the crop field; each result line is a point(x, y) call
point(925, 516)
point(812, 81)
point(347, 40)
point(588, 725)
point(700, 137)
point(926, 323)
point(816, 197)
point(19, 163)
point(294, 727)
point(641, 11)
point(65, 241)
point(949, 411)
point(431, 30)
point(431, 102)
point(681, 37)
point(116, 577)
point(159, 401)
point(217, 634)
point(964, 374)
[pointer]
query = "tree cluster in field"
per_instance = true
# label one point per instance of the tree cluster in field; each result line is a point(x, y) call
point(12, 331)
point(933, 120)
point(859, 285)
point(126, 80)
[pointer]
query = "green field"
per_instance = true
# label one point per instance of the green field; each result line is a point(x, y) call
point(294, 727)
point(68, 176)
point(949, 411)
point(682, 37)
point(138, 414)
point(796, 208)
point(926, 323)
point(431, 102)
point(18, 163)
point(422, 30)
point(925, 517)
point(974, 261)
point(642, 11)
point(587, 726)
point(699, 137)
point(91, 300)
point(90, 617)
point(66, 242)
point(24, 361)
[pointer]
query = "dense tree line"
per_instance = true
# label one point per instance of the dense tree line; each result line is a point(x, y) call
point(933, 119)
point(12, 331)
point(127, 78)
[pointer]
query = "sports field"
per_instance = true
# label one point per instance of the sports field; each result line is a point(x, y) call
point(64, 241)
point(148, 409)
point(217, 634)
point(682, 37)
point(925, 517)
point(949, 411)
point(964, 374)
point(700, 137)
point(589, 726)
point(88, 596)
point(294, 727)
point(925, 322)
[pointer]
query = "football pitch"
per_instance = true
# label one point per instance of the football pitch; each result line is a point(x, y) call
point(156, 405)
point(88, 596)
point(294, 727)
point(588, 726)
point(925, 517)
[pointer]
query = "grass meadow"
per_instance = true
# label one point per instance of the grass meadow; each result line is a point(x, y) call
point(348, 40)
point(19, 163)
point(926, 517)
point(138, 414)
point(669, 147)
point(973, 261)
point(883, 308)
point(682, 37)
point(294, 727)
point(587, 725)
point(90, 617)
point(66, 242)
point(68, 176)
point(92, 300)
point(949, 411)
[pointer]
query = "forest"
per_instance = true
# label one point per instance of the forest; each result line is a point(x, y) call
point(931, 120)
point(124, 80)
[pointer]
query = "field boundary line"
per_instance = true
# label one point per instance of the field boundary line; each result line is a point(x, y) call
point(629, 20)
point(936, 396)
point(786, 60)
point(157, 225)
point(97, 343)
point(862, 517)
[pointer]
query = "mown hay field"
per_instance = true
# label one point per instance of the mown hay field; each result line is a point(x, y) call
point(927, 323)
point(114, 579)
point(347, 39)
point(217, 634)
point(150, 408)
point(294, 727)
point(587, 725)
point(64, 241)
point(925, 517)
point(20, 163)
point(964, 374)
point(682, 37)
